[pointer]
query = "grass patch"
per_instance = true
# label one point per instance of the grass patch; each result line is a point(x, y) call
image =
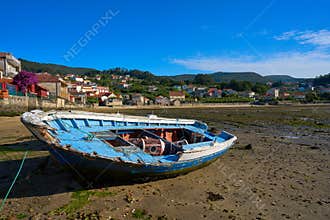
point(140, 214)
point(7, 153)
point(11, 154)
point(10, 114)
point(8, 149)
point(79, 199)
point(307, 123)
point(21, 215)
point(227, 100)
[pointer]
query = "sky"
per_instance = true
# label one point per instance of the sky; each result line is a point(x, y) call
point(170, 37)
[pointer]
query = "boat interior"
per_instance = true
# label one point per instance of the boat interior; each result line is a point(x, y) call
point(137, 142)
point(154, 141)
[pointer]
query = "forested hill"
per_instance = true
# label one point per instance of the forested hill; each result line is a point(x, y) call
point(239, 76)
point(282, 78)
point(53, 68)
point(215, 77)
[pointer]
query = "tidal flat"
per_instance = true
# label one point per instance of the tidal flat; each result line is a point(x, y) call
point(278, 169)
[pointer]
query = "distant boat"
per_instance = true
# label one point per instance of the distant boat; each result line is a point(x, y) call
point(126, 146)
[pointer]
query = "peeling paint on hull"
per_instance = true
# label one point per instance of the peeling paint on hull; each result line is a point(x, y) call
point(92, 157)
point(100, 168)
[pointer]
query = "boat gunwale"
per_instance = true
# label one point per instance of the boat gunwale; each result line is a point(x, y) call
point(55, 143)
point(52, 115)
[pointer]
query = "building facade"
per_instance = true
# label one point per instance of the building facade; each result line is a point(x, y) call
point(55, 86)
point(9, 65)
point(177, 95)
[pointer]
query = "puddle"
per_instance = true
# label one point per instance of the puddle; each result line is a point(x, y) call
point(291, 137)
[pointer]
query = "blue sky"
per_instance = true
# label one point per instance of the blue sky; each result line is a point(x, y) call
point(169, 37)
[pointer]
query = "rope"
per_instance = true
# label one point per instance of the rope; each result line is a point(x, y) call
point(12, 184)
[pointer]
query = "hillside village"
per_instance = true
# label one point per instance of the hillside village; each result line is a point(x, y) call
point(117, 87)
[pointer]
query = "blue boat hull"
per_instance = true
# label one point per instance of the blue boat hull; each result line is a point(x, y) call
point(91, 168)
point(98, 146)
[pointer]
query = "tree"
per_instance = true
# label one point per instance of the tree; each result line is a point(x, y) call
point(166, 81)
point(24, 79)
point(277, 84)
point(203, 79)
point(311, 97)
point(260, 88)
point(222, 85)
point(239, 85)
point(92, 100)
point(325, 96)
point(322, 80)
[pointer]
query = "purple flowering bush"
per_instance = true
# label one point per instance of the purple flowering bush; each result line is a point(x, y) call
point(24, 79)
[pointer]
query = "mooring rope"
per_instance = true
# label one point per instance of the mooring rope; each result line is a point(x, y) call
point(12, 184)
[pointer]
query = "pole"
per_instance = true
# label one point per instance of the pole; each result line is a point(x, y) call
point(56, 91)
point(5, 66)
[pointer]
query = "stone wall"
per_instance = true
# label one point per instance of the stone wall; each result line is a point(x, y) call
point(25, 103)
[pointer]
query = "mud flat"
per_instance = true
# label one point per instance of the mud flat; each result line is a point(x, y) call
point(279, 169)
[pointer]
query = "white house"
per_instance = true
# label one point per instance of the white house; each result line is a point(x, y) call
point(177, 95)
point(273, 92)
point(79, 79)
point(9, 65)
point(161, 100)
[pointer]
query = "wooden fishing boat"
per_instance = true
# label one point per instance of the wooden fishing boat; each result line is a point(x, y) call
point(120, 145)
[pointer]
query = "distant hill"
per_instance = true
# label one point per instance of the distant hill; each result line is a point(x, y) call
point(53, 68)
point(283, 78)
point(217, 76)
point(182, 77)
point(225, 77)
point(240, 76)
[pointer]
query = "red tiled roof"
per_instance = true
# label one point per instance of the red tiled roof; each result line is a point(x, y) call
point(213, 89)
point(102, 87)
point(41, 87)
point(298, 93)
point(5, 54)
point(176, 93)
point(46, 77)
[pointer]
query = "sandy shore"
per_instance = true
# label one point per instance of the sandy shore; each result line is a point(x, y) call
point(279, 169)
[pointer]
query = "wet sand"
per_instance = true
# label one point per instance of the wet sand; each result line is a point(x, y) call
point(279, 169)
